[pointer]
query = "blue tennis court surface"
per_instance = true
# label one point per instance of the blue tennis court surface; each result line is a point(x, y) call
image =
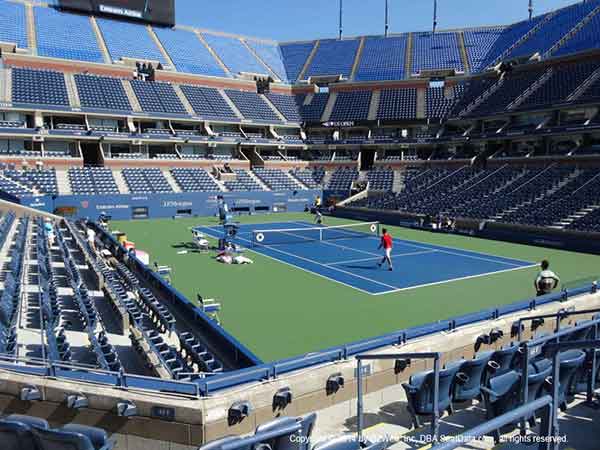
point(352, 260)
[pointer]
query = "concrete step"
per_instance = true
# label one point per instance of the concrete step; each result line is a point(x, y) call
point(329, 107)
point(120, 181)
point(31, 34)
point(62, 180)
point(133, 100)
point(258, 180)
point(171, 180)
point(231, 104)
point(183, 99)
point(374, 106)
point(295, 180)
point(72, 92)
point(100, 39)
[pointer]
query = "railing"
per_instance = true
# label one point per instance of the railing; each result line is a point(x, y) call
point(505, 419)
point(435, 416)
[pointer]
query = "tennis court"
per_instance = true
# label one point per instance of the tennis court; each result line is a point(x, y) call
point(348, 255)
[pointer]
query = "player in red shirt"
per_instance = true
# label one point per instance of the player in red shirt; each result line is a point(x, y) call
point(386, 244)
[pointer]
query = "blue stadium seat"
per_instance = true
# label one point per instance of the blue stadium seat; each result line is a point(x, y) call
point(585, 39)
point(313, 111)
point(396, 104)
point(351, 106)
point(188, 53)
point(270, 53)
point(101, 93)
point(57, 32)
point(478, 44)
point(157, 97)
point(39, 87)
point(553, 29)
point(287, 106)
point(470, 378)
point(419, 392)
point(436, 51)
point(208, 103)
point(234, 54)
point(252, 106)
point(382, 59)
point(72, 437)
point(120, 41)
point(13, 24)
point(294, 57)
point(334, 57)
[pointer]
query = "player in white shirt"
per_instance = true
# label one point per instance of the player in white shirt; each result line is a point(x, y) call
point(546, 281)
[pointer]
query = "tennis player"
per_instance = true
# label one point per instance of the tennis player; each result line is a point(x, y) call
point(546, 281)
point(318, 217)
point(386, 244)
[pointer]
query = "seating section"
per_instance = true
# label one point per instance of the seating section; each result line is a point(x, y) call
point(310, 178)
point(381, 179)
point(156, 97)
point(382, 59)
point(234, 54)
point(194, 180)
point(478, 44)
point(295, 56)
point(13, 22)
point(507, 39)
point(92, 181)
point(287, 106)
point(439, 101)
point(101, 93)
point(42, 181)
point(270, 54)
point(118, 38)
point(20, 432)
point(397, 104)
point(11, 187)
point(146, 181)
point(560, 197)
point(39, 87)
point(313, 111)
point(57, 32)
point(512, 87)
point(208, 103)
point(188, 53)
point(351, 106)
point(243, 182)
point(276, 179)
point(584, 39)
point(553, 29)
point(333, 57)
point(564, 81)
point(342, 179)
point(436, 51)
point(252, 106)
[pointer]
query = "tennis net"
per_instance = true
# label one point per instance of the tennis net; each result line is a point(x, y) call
point(307, 234)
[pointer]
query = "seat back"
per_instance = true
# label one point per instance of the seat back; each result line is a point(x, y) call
point(474, 370)
point(504, 358)
point(535, 380)
point(423, 401)
point(570, 361)
point(505, 394)
point(60, 440)
point(15, 436)
point(283, 441)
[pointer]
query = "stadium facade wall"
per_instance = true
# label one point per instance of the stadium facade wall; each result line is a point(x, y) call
point(541, 237)
point(130, 206)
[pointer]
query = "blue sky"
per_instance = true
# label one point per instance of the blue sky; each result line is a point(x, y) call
point(308, 19)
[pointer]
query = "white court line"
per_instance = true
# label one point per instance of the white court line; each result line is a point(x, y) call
point(305, 269)
point(435, 283)
point(380, 257)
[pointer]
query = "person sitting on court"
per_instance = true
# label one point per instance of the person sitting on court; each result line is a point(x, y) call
point(386, 244)
point(546, 281)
